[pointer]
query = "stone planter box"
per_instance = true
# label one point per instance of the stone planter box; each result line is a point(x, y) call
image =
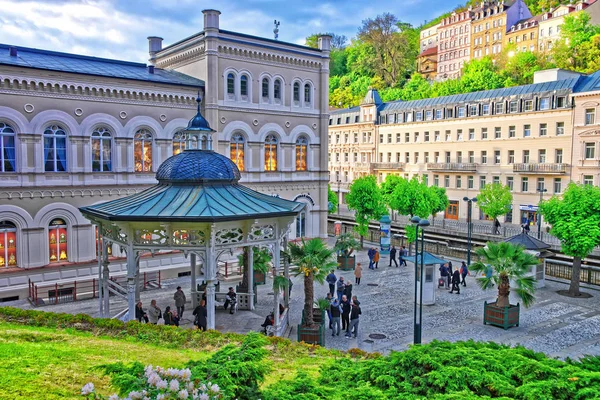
point(310, 335)
point(503, 317)
point(346, 263)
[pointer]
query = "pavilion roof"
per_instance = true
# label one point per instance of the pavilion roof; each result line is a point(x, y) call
point(529, 242)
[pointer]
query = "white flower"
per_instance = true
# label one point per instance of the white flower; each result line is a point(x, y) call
point(203, 396)
point(186, 374)
point(203, 387)
point(87, 389)
point(183, 394)
point(160, 396)
point(136, 395)
point(214, 388)
point(190, 386)
point(174, 385)
point(162, 384)
point(114, 397)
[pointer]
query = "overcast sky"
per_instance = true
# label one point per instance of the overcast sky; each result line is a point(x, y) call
point(118, 28)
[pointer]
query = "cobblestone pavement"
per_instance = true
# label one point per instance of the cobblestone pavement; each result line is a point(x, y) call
point(556, 325)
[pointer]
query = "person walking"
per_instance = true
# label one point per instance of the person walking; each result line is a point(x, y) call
point(340, 288)
point(444, 275)
point(154, 313)
point(331, 279)
point(464, 271)
point(496, 226)
point(140, 314)
point(449, 273)
point(371, 254)
point(201, 314)
point(403, 256)
point(393, 256)
point(180, 300)
point(455, 282)
point(336, 313)
point(376, 258)
point(357, 273)
point(354, 319)
point(330, 300)
point(346, 308)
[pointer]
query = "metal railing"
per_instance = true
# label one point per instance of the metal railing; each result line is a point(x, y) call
point(541, 168)
point(388, 165)
point(451, 167)
point(564, 270)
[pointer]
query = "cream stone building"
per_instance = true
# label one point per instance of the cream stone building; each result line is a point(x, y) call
point(80, 130)
point(551, 21)
point(523, 137)
point(454, 48)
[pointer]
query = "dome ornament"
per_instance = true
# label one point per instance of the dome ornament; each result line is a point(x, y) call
point(198, 134)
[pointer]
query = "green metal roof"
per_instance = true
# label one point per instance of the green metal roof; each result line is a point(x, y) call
point(194, 203)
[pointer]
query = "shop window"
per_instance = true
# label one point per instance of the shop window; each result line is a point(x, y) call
point(8, 244)
point(7, 148)
point(301, 158)
point(57, 240)
point(237, 150)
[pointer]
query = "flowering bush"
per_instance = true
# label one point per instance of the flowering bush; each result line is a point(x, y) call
point(163, 384)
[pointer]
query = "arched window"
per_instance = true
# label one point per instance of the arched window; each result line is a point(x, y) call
point(7, 148)
point(55, 149)
point(178, 143)
point(296, 93)
point(142, 151)
point(307, 97)
point(244, 85)
point(236, 150)
point(271, 153)
point(57, 240)
point(301, 225)
point(277, 90)
point(301, 147)
point(230, 84)
point(8, 244)
point(265, 89)
point(101, 150)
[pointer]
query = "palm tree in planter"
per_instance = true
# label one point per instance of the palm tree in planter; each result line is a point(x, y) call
point(260, 265)
point(502, 263)
point(314, 260)
point(345, 244)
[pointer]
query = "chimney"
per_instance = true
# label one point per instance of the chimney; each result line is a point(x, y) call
point(211, 20)
point(151, 69)
point(154, 46)
point(12, 51)
point(324, 42)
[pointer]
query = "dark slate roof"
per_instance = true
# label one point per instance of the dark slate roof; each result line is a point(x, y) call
point(351, 110)
point(372, 97)
point(565, 85)
point(198, 166)
point(194, 203)
point(78, 64)
point(529, 242)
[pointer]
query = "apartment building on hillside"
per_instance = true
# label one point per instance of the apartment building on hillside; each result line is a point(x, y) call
point(523, 35)
point(523, 137)
point(454, 48)
point(427, 62)
point(551, 21)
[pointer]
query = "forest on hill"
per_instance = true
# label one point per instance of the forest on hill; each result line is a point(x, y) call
point(384, 53)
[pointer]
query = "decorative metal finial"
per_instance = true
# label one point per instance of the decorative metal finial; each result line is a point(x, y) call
point(198, 100)
point(276, 30)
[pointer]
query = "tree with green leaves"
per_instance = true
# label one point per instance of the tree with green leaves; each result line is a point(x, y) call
point(332, 200)
point(439, 200)
point(314, 260)
point(576, 35)
point(508, 262)
point(495, 200)
point(366, 200)
point(575, 221)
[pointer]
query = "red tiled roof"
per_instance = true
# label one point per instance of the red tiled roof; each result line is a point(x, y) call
point(428, 52)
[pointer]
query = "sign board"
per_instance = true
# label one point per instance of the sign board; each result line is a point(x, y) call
point(385, 237)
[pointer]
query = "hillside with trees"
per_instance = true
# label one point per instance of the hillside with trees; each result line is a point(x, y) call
point(384, 53)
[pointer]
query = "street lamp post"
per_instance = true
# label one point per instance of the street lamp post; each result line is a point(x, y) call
point(539, 216)
point(469, 226)
point(417, 326)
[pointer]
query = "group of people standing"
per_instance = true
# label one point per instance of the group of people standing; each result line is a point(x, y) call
point(154, 313)
point(344, 308)
point(452, 277)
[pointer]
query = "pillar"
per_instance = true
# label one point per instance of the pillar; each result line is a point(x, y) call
point(105, 278)
point(131, 281)
point(286, 273)
point(276, 262)
point(251, 278)
point(100, 282)
point(210, 304)
point(137, 278)
point(210, 272)
point(194, 291)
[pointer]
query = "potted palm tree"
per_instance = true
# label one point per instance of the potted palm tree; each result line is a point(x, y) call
point(501, 264)
point(314, 260)
point(344, 246)
point(260, 265)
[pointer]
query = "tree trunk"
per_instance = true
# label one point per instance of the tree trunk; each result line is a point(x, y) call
point(245, 271)
point(309, 290)
point(575, 277)
point(503, 292)
point(362, 240)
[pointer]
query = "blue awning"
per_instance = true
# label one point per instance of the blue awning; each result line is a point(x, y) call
point(428, 259)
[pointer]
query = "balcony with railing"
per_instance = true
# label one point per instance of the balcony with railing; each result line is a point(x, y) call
point(452, 167)
point(363, 166)
point(398, 166)
point(540, 168)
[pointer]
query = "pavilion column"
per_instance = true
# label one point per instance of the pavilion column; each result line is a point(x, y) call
point(137, 278)
point(250, 278)
point(276, 262)
point(194, 291)
point(286, 272)
point(100, 287)
point(210, 304)
point(105, 278)
point(210, 273)
point(131, 282)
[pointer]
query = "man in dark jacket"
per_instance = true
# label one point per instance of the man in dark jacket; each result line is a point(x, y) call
point(449, 273)
point(354, 315)
point(348, 290)
point(393, 256)
point(331, 279)
point(371, 254)
point(334, 310)
point(200, 313)
point(345, 304)
point(456, 282)
point(340, 288)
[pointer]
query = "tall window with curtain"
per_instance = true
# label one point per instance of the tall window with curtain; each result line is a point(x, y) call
point(244, 85)
point(237, 150)
point(301, 147)
point(271, 153)
point(55, 149)
point(230, 84)
point(142, 151)
point(101, 150)
point(265, 90)
point(7, 150)
point(178, 143)
point(307, 95)
point(296, 93)
point(277, 90)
